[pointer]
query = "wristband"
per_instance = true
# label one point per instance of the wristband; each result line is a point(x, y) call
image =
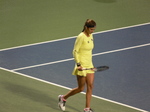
point(78, 64)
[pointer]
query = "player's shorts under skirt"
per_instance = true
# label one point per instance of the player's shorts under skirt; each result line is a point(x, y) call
point(81, 73)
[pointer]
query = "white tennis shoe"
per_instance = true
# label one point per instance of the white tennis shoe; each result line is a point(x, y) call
point(61, 103)
point(88, 110)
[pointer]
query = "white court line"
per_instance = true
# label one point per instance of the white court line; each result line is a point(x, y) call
point(74, 37)
point(25, 75)
point(49, 63)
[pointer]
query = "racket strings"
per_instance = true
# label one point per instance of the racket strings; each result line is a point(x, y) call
point(101, 68)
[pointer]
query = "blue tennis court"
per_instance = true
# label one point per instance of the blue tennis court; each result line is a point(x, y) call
point(126, 51)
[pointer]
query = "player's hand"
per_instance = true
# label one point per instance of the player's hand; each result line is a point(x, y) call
point(93, 69)
point(80, 68)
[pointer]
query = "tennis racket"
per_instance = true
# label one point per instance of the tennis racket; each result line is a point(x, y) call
point(97, 69)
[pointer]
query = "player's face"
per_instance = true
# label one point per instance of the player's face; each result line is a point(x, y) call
point(91, 30)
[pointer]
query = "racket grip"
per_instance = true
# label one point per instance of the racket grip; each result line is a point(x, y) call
point(86, 68)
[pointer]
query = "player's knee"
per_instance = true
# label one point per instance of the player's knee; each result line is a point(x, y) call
point(90, 86)
point(81, 89)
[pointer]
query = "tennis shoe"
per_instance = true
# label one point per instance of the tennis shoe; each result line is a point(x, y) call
point(61, 103)
point(88, 110)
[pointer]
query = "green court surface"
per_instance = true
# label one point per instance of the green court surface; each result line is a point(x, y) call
point(22, 94)
point(30, 21)
point(25, 22)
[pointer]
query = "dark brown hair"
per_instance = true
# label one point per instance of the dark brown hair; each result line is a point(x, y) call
point(89, 24)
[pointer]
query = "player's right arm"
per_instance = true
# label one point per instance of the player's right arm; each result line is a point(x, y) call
point(77, 46)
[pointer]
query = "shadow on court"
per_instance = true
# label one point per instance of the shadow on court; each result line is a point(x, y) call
point(35, 95)
point(105, 1)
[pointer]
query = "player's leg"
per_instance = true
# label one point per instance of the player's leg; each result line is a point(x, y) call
point(62, 98)
point(81, 83)
point(89, 82)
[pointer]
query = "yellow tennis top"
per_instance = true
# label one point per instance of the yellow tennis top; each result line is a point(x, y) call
point(82, 51)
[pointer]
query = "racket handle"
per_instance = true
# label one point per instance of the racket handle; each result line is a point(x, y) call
point(86, 68)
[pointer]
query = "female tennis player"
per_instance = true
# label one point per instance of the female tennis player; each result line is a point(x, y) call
point(82, 54)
